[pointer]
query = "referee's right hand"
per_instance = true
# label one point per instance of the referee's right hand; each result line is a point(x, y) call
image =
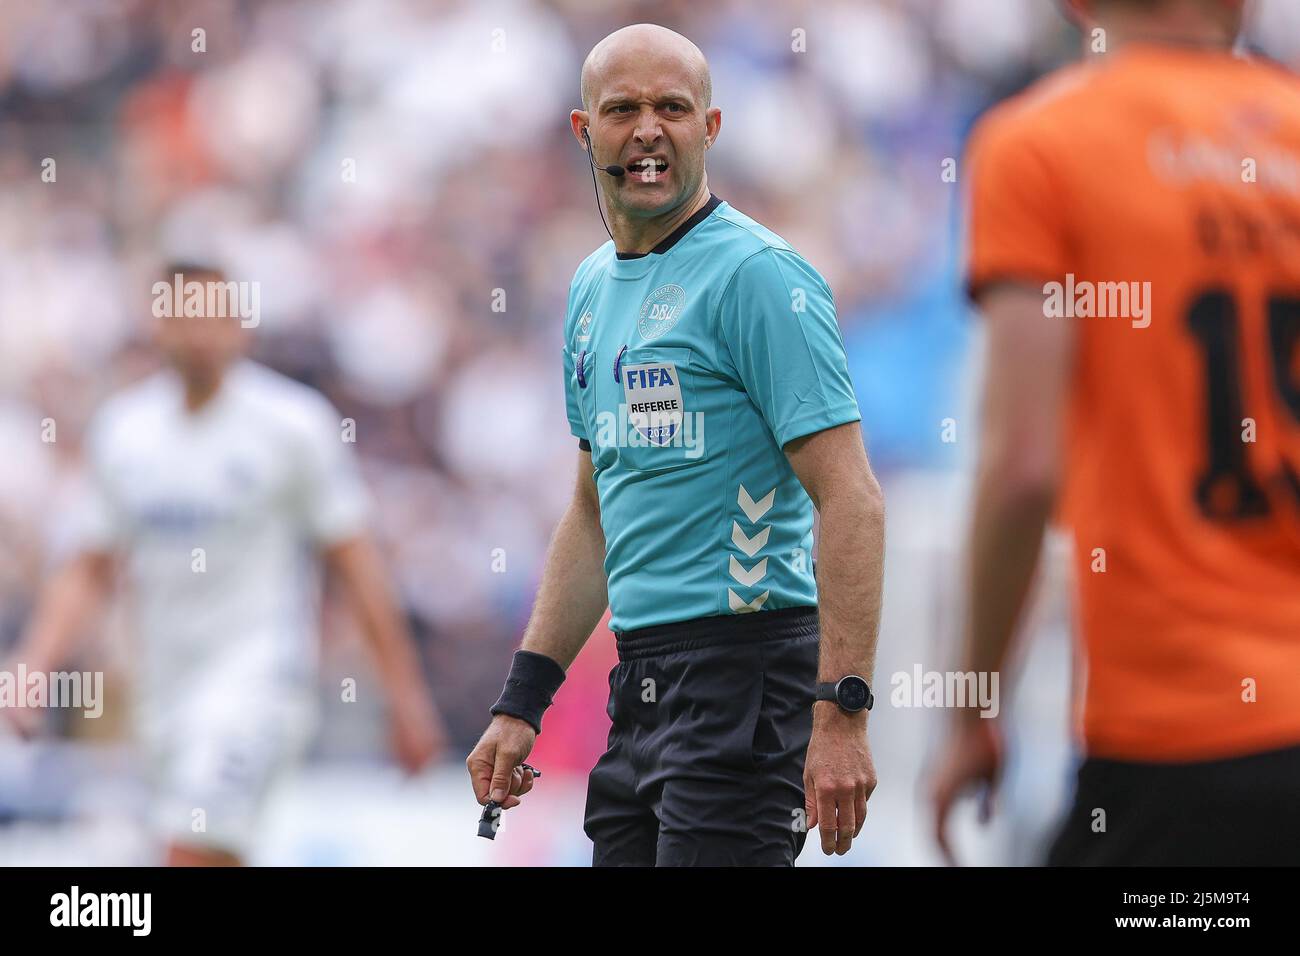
point(493, 764)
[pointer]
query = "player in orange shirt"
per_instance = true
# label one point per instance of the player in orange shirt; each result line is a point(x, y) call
point(1134, 246)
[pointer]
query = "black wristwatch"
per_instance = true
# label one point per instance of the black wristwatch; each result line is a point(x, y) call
point(851, 693)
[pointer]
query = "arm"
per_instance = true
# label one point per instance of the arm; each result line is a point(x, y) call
point(838, 775)
point(572, 596)
point(1026, 377)
point(833, 468)
point(570, 601)
point(1019, 465)
point(72, 598)
point(417, 734)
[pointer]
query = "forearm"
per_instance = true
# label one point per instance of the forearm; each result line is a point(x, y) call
point(378, 611)
point(573, 594)
point(850, 571)
point(1023, 411)
point(1006, 538)
point(67, 604)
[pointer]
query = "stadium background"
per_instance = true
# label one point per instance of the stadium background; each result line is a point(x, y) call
point(380, 292)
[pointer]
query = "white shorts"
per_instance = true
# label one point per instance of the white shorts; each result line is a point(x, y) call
point(213, 759)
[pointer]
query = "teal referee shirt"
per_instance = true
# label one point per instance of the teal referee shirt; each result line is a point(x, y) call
point(686, 371)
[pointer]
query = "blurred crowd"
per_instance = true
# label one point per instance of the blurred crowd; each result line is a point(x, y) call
point(400, 178)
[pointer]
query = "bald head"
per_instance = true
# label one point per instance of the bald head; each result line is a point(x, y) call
point(645, 96)
point(639, 45)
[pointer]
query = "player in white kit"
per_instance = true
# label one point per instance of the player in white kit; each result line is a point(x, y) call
point(214, 486)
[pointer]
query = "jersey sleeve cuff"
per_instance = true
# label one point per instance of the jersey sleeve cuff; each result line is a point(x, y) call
point(818, 421)
point(976, 286)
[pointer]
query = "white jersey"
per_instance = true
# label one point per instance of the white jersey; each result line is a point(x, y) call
point(217, 514)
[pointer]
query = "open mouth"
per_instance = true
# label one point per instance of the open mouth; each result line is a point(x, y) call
point(647, 167)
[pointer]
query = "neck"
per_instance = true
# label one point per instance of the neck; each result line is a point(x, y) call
point(638, 235)
point(199, 392)
point(1186, 31)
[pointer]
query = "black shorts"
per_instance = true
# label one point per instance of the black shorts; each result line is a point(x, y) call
point(1242, 811)
point(711, 720)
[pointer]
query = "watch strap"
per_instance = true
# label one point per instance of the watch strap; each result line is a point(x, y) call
point(830, 691)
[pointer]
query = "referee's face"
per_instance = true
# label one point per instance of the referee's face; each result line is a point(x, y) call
point(648, 113)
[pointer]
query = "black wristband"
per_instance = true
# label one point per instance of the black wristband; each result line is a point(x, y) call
point(530, 687)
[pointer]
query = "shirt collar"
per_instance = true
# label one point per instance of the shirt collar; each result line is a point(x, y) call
point(677, 234)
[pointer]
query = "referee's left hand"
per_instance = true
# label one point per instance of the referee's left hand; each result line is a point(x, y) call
point(838, 776)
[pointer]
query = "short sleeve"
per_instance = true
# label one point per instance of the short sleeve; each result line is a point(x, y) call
point(1016, 217)
point(335, 502)
point(576, 424)
point(778, 323)
point(96, 521)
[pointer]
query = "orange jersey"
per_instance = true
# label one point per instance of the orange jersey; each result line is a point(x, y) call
point(1158, 190)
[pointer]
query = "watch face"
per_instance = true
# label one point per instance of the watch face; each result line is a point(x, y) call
point(852, 693)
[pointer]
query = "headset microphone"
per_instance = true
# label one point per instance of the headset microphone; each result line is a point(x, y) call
point(614, 170)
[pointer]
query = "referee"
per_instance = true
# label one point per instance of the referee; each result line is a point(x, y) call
point(708, 389)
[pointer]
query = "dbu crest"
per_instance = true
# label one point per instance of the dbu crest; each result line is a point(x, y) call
point(660, 311)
